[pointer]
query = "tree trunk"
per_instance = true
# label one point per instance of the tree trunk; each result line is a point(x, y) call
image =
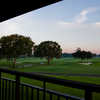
point(14, 62)
point(9, 61)
point(48, 61)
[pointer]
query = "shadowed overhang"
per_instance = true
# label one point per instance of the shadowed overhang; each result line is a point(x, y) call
point(16, 7)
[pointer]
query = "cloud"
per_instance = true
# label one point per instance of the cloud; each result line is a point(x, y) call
point(81, 19)
point(83, 15)
point(80, 33)
point(97, 23)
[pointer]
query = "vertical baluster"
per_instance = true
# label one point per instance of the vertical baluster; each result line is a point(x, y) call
point(50, 96)
point(2, 89)
point(27, 93)
point(58, 97)
point(88, 94)
point(37, 94)
point(9, 96)
point(13, 91)
point(32, 93)
point(17, 94)
point(22, 92)
point(44, 90)
point(5, 89)
point(10, 90)
point(66, 98)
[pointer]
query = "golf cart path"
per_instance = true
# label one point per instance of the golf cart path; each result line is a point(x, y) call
point(65, 74)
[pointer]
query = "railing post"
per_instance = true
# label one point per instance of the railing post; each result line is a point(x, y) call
point(17, 95)
point(88, 95)
point(44, 90)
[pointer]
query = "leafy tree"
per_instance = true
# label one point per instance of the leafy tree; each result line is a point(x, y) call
point(16, 45)
point(1, 53)
point(48, 50)
point(89, 55)
point(82, 54)
point(77, 54)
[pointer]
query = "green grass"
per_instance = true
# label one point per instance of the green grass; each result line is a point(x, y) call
point(63, 65)
point(60, 66)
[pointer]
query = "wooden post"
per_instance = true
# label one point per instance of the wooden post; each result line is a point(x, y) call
point(17, 95)
point(44, 90)
point(88, 95)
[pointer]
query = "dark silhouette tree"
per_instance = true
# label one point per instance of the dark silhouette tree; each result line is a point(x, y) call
point(48, 50)
point(1, 53)
point(89, 55)
point(77, 54)
point(16, 45)
point(82, 54)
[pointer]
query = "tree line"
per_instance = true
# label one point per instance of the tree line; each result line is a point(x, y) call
point(13, 46)
point(82, 54)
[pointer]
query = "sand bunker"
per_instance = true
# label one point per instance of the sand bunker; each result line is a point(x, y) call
point(88, 63)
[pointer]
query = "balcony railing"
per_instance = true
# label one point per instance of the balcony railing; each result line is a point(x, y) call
point(16, 90)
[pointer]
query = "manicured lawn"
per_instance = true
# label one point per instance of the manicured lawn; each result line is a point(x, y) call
point(63, 65)
point(68, 65)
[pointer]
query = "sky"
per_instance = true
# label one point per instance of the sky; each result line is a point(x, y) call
point(71, 23)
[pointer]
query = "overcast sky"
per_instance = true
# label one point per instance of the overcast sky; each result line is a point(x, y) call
point(72, 23)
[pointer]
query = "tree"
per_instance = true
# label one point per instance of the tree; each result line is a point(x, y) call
point(16, 45)
point(77, 54)
point(82, 54)
point(48, 50)
point(89, 55)
point(1, 53)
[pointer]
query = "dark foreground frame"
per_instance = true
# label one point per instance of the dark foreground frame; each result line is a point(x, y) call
point(14, 89)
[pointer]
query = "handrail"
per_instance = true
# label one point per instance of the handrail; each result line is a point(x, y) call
point(69, 83)
point(47, 90)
